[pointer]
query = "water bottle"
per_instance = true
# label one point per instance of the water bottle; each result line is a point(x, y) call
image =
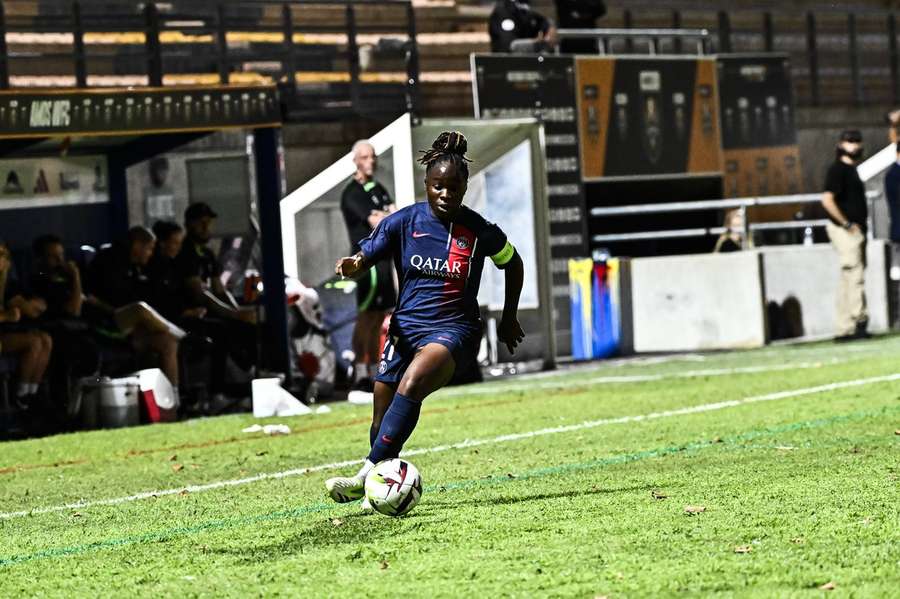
point(808, 236)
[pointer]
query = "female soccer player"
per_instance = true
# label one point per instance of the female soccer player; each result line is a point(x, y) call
point(439, 250)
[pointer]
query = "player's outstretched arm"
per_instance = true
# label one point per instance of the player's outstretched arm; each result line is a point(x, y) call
point(351, 266)
point(510, 331)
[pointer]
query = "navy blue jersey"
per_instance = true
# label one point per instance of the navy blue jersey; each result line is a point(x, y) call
point(439, 265)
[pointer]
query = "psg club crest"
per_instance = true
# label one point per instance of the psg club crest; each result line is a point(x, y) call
point(462, 243)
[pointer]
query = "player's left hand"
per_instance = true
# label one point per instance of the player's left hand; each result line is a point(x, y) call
point(510, 332)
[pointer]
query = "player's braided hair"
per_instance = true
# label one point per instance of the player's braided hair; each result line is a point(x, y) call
point(450, 146)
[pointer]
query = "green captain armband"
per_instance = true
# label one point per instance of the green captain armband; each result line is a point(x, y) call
point(503, 257)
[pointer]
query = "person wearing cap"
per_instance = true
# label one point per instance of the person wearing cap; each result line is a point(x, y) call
point(208, 309)
point(200, 270)
point(845, 202)
point(118, 293)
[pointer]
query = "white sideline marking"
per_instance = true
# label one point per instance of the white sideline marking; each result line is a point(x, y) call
point(636, 378)
point(709, 407)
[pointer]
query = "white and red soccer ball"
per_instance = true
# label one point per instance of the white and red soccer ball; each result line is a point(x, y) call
point(394, 487)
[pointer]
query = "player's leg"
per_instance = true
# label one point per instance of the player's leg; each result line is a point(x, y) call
point(366, 290)
point(29, 348)
point(382, 303)
point(372, 341)
point(431, 369)
point(349, 488)
point(384, 394)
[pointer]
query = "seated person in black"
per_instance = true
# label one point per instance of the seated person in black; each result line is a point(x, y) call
point(230, 326)
point(200, 270)
point(57, 282)
point(169, 295)
point(118, 291)
point(511, 21)
point(32, 346)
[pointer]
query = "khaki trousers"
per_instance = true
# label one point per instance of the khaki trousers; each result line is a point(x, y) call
point(851, 297)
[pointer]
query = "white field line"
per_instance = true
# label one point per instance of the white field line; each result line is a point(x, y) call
point(709, 407)
point(565, 381)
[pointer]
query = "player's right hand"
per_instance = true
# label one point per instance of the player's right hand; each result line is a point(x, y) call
point(348, 266)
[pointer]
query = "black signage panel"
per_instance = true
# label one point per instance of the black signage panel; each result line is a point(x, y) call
point(40, 113)
point(512, 86)
point(757, 105)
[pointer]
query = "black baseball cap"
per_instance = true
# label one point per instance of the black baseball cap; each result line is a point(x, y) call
point(851, 135)
point(198, 210)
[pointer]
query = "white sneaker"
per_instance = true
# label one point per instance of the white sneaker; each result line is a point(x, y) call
point(344, 490)
point(361, 398)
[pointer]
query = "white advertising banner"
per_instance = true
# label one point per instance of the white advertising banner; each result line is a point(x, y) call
point(54, 181)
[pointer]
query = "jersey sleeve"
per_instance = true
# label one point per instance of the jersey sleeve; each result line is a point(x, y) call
point(496, 245)
point(382, 240)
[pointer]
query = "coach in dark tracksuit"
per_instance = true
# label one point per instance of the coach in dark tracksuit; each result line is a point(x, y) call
point(364, 203)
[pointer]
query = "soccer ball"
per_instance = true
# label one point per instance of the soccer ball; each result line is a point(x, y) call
point(394, 487)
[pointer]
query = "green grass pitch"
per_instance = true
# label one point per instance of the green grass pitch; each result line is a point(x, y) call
point(766, 473)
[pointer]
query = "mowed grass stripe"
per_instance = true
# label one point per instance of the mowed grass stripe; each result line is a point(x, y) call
point(462, 445)
point(66, 451)
point(560, 469)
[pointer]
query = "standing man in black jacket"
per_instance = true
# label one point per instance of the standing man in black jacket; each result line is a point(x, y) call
point(364, 204)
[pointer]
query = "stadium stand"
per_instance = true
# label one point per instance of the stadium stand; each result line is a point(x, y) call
point(338, 65)
point(447, 32)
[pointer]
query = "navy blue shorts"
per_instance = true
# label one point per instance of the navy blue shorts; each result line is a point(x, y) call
point(399, 351)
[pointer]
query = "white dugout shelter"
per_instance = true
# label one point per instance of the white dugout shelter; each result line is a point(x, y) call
point(507, 185)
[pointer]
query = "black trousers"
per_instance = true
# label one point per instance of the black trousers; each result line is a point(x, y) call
point(230, 338)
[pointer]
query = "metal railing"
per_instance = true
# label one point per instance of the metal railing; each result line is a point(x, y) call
point(653, 36)
point(742, 204)
point(316, 63)
point(840, 55)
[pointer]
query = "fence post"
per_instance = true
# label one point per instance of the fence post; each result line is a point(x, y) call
point(4, 57)
point(813, 56)
point(78, 46)
point(855, 70)
point(768, 32)
point(154, 52)
point(724, 32)
point(353, 58)
point(413, 97)
point(892, 54)
point(222, 45)
point(676, 24)
point(288, 65)
point(628, 23)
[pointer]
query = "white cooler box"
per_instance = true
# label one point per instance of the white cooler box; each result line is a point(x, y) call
point(113, 403)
